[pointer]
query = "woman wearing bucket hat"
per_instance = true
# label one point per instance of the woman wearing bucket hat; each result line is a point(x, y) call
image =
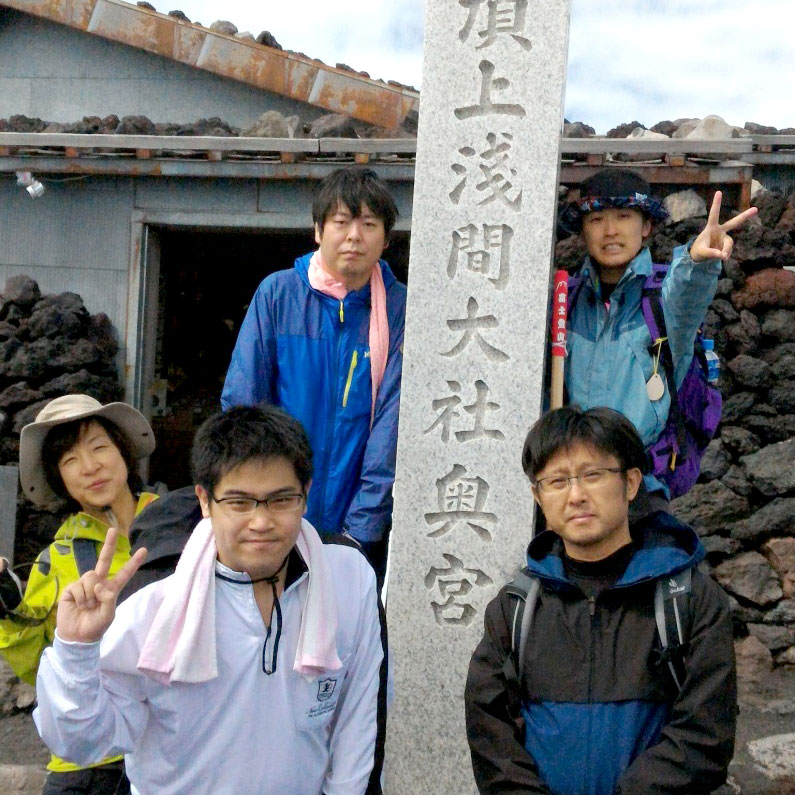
point(611, 358)
point(79, 453)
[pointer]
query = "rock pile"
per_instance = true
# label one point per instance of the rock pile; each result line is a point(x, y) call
point(743, 506)
point(49, 346)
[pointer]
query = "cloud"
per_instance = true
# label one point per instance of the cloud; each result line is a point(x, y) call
point(668, 59)
point(628, 59)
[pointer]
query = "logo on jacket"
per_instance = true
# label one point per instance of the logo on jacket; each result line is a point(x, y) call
point(325, 689)
point(675, 587)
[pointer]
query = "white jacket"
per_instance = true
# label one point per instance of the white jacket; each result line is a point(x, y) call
point(245, 731)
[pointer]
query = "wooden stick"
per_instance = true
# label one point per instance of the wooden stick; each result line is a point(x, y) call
point(558, 337)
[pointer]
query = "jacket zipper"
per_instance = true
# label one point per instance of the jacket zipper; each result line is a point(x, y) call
point(354, 359)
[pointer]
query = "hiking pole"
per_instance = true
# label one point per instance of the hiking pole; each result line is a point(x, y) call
point(558, 337)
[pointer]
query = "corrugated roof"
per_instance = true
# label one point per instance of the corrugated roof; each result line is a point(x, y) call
point(278, 71)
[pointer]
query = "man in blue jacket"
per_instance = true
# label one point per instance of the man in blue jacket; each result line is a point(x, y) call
point(609, 359)
point(588, 703)
point(324, 342)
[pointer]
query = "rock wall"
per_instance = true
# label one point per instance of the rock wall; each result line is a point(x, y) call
point(743, 506)
point(49, 346)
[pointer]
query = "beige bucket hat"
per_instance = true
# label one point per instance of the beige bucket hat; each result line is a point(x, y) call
point(130, 421)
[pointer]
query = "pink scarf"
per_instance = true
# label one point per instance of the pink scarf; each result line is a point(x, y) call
point(180, 644)
point(322, 281)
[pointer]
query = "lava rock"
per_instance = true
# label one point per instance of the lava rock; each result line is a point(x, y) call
point(750, 372)
point(267, 38)
point(739, 441)
point(780, 552)
point(724, 288)
point(726, 312)
point(735, 480)
point(709, 507)
point(53, 321)
point(623, 130)
point(779, 324)
point(737, 406)
point(17, 395)
point(782, 398)
point(83, 382)
point(332, 125)
point(775, 518)
point(665, 127)
point(782, 613)
point(745, 334)
point(569, 253)
point(769, 429)
point(734, 271)
point(774, 637)
point(24, 124)
point(754, 660)
point(21, 291)
point(715, 461)
point(28, 414)
point(135, 125)
point(749, 576)
point(772, 287)
point(759, 129)
point(718, 547)
point(577, 130)
point(771, 206)
point(34, 359)
point(771, 470)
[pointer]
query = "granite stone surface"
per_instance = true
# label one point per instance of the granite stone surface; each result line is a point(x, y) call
point(485, 196)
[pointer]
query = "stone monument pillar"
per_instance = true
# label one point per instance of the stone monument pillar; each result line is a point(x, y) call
point(483, 221)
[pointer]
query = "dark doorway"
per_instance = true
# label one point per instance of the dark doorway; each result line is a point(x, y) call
point(207, 279)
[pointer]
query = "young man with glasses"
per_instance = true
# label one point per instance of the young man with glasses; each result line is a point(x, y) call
point(594, 708)
point(258, 666)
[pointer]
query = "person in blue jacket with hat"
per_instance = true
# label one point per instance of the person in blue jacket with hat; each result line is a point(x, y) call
point(324, 342)
point(611, 360)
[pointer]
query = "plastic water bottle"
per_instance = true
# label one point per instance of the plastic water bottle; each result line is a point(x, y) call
point(713, 361)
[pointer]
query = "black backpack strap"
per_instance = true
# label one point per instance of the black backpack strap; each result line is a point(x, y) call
point(525, 588)
point(672, 614)
point(85, 552)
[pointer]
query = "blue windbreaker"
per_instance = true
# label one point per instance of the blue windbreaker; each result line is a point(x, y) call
point(608, 361)
point(309, 353)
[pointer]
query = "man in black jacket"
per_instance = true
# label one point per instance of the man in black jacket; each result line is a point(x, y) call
point(595, 709)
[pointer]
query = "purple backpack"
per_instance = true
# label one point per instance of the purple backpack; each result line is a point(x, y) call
point(694, 416)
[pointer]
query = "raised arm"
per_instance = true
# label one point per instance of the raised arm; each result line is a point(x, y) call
point(692, 278)
point(82, 715)
point(88, 606)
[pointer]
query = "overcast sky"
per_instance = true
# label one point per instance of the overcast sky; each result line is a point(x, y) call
point(645, 60)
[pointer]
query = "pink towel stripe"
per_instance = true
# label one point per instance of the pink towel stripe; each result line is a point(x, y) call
point(180, 645)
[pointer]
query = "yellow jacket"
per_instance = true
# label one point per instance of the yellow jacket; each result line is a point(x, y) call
point(24, 636)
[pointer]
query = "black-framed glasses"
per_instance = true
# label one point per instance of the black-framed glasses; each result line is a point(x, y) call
point(592, 479)
point(245, 506)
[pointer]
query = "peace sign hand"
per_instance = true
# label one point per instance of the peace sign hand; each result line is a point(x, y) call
point(713, 242)
point(87, 607)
